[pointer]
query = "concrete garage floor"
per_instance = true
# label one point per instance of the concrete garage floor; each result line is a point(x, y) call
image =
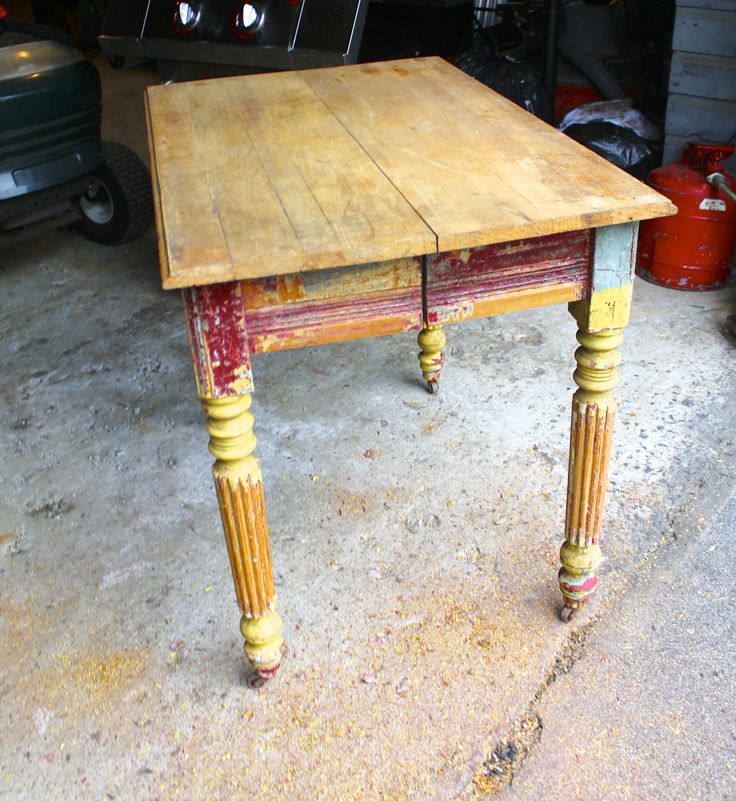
point(415, 541)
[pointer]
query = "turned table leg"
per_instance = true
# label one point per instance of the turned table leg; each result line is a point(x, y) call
point(240, 496)
point(601, 319)
point(219, 343)
point(593, 412)
point(431, 357)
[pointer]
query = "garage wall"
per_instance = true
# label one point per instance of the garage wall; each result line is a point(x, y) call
point(702, 99)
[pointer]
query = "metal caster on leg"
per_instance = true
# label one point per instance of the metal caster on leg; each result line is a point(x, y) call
point(258, 680)
point(433, 387)
point(567, 613)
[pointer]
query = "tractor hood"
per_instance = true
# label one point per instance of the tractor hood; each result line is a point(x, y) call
point(50, 113)
point(20, 60)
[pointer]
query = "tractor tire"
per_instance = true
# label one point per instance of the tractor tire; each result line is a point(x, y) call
point(119, 205)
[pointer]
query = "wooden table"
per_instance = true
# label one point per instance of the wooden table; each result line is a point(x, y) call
point(304, 208)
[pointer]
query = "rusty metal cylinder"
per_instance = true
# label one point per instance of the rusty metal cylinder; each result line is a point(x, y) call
point(694, 249)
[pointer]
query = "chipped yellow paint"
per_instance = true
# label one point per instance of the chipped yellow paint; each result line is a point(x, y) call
point(457, 314)
point(580, 559)
point(340, 328)
point(598, 360)
point(331, 284)
point(505, 302)
point(239, 488)
point(244, 383)
point(431, 341)
point(263, 640)
point(609, 308)
point(232, 441)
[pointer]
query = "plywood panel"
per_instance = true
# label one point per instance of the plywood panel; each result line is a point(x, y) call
point(701, 118)
point(725, 5)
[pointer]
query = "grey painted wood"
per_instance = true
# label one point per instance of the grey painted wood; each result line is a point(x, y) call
point(700, 30)
point(703, 76)
point(673, 145)
point(614, 255)
point(725, 5)
point(713, 120)
point(702, 100)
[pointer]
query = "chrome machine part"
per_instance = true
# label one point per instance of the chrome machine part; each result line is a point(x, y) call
point(247, 20)
point(236, 37)
point(186, 16)
point(718, 180)
point(97, 204)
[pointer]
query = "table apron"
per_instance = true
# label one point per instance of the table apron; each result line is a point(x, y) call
point(481, 282)
point(228, 322)
point(334, 305)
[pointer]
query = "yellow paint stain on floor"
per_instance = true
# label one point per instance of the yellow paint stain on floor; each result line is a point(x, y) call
point(97, 674)
point(401, 704)
point(97, 671)
point(84, 685)
point(21, 626)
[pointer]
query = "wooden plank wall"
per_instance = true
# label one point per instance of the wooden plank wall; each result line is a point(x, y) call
point(702, 99)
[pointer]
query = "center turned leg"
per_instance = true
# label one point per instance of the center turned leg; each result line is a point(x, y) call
point(431, 357)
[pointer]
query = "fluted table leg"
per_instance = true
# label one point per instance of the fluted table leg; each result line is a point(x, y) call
point(601, 319)
point(240, 496)
point(593, 413)
point(221, 358)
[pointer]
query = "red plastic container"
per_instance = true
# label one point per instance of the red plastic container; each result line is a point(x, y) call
point(570, 96)
point(694, 249)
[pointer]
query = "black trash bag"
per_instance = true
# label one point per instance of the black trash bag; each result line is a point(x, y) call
point(618, 112)
point(620, 146)
point(618, 132)
point(511, 77)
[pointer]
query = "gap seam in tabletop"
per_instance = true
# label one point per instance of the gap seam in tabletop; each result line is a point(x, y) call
point(627, 211)
point(246, 127)
point(374, 162)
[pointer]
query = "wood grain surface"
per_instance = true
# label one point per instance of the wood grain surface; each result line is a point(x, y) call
point(272, 174)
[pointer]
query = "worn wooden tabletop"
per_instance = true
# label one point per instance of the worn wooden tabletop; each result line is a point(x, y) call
point(270, 174)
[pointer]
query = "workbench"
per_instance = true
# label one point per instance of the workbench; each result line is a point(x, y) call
point(305, 208)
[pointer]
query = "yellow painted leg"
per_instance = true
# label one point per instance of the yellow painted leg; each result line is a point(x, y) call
point(593, 411)
point(431, 341)
point(240, 496)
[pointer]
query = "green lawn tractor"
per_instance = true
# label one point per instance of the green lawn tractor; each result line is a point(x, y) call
point(55, 171)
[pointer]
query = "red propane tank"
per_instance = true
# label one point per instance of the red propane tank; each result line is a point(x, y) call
point(693, 249)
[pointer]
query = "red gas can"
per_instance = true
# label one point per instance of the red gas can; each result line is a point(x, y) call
point(693, 249)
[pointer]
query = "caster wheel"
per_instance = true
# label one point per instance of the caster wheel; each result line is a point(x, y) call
point(567, 613)
point(255, 682)
point(433, 387)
